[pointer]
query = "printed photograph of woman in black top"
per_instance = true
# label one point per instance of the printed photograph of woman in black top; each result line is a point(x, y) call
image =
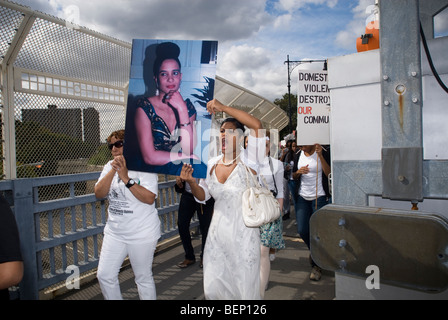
point(166, 120)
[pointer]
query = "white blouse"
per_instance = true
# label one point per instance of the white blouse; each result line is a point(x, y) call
point(270, 170)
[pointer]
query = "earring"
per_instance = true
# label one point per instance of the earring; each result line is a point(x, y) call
point(157, 86)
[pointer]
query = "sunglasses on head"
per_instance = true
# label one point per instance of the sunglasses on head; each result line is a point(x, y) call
point(116, 144)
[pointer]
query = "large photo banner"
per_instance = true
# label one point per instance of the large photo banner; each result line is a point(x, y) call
point(167, 123)
point(313, 108)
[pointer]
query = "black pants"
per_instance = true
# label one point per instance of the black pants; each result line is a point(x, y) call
point(187, 207)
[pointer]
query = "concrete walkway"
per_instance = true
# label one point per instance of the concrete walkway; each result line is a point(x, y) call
point(289, 278)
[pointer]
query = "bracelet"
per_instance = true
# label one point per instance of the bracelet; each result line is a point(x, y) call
point(185, 124)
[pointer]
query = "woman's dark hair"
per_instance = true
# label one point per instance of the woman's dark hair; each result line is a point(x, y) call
point(290, 154)
point(244, 141)
point(238, 125)
point(164, 51)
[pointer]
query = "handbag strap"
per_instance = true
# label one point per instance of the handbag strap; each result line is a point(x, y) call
point(257, 184)
point(249, 172)
point(272, 172)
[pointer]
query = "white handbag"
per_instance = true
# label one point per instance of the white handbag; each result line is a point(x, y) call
point(259, 204)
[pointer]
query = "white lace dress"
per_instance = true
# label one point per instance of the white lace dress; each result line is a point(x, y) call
point(232, 251)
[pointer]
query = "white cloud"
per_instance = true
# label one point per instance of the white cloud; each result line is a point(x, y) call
point(241, 62)
point(193, 19)
point(346, 38)
point(246, 57)
point(283, 21)
point(292, 5)
point(253, 42)
point(355, 28)
point(253, 68)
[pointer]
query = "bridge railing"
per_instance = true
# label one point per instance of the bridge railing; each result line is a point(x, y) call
point(61, 224)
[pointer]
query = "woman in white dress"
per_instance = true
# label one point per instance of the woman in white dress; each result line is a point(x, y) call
point(232, 251)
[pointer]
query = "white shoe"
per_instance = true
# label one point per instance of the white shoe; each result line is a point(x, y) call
point(272, 256)
point(315, 274)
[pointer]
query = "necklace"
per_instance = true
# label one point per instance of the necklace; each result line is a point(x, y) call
point(228, 163)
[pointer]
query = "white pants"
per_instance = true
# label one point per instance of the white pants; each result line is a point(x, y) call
point(113, 253)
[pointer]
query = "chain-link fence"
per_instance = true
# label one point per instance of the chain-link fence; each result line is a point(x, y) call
point(63, 92)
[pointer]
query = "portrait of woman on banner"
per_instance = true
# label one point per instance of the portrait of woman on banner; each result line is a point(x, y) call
point(165, 133)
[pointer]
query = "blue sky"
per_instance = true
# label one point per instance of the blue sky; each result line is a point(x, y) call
point(255, 36)
point(313, 25)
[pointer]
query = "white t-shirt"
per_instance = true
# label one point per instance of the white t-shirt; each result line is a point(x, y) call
point(308, 181)
point(269, 175)
point(130, 220)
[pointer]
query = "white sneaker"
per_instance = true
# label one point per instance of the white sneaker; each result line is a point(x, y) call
point(272, 256)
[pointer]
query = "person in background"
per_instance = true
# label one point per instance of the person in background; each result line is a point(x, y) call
point(133, 225)
point(271, 234)
point(290, 161)
point(187, 207)
point(312, 175)
point(286, 193)
point(11, 262)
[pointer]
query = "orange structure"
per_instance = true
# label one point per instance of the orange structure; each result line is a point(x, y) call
point(371, 39)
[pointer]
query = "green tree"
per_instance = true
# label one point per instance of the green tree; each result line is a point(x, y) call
point(284, 104)
point(35, 143)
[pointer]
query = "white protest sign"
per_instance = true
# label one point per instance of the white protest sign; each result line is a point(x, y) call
point(313, 108)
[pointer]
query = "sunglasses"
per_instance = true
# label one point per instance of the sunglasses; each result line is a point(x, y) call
point(116, 144)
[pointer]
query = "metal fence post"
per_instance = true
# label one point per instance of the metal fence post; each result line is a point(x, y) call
point(401, 92)
point(23, 210)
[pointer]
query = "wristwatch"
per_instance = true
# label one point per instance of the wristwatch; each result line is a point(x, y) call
point(130, 183)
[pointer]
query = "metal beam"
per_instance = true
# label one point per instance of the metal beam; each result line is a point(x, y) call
point(7, 75)
point(401, 94)
point(28, 11)
point(352, 238)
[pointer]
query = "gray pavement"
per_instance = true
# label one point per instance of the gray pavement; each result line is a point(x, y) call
point(289, 278)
